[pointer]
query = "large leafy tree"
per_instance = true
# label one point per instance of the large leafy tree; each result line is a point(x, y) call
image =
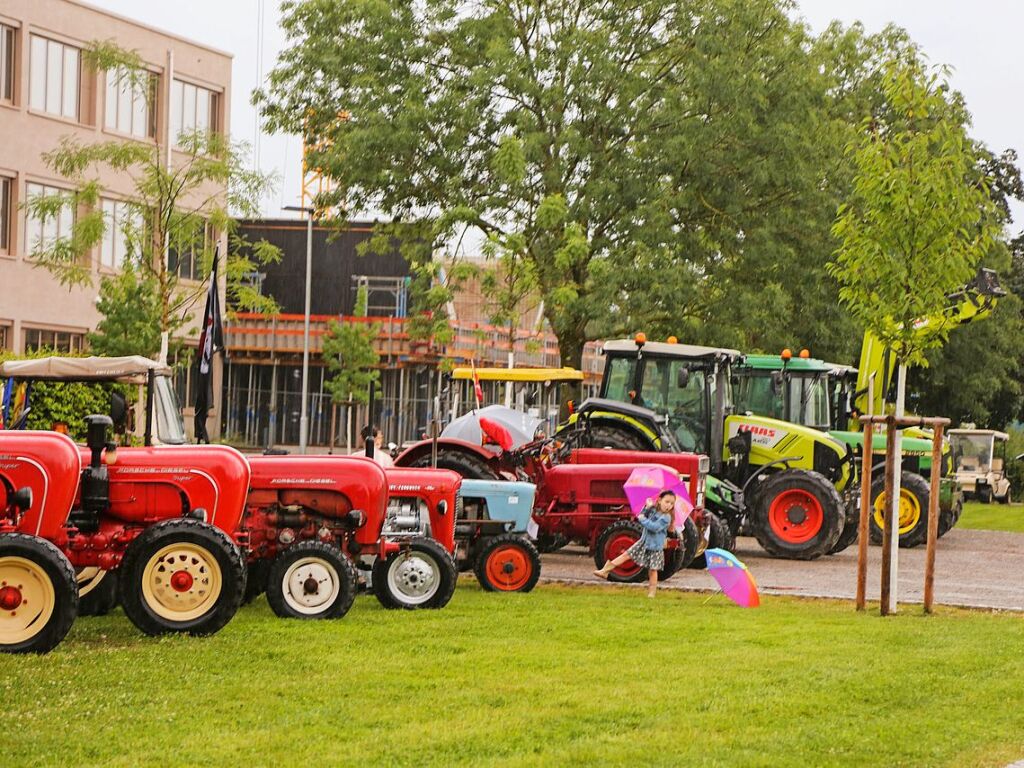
point(176, 206)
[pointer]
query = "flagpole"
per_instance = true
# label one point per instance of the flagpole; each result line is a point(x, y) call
point(304, 414)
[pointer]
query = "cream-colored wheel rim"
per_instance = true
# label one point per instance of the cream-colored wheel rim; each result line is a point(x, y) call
point(88, 579)
point(310, 586)
point(181, 582)
point(27, 600)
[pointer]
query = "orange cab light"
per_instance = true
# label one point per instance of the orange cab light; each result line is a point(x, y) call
point(672, 340)
point(640, 339)
point(805, 353)
point(571, 406)
point(787, 354)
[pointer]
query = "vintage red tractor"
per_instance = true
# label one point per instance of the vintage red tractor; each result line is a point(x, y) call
point(312, 522)
point(157, 515)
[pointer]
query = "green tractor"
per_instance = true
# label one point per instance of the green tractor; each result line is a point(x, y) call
point(779, 482)
point(813, 393)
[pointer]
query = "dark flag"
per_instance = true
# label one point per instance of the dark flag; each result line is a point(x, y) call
point(211, 340)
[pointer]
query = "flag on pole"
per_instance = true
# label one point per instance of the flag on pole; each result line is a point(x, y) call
point(211, 340)
point(478, 391)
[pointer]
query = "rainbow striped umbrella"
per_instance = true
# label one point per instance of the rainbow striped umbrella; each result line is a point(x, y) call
point(733, 577)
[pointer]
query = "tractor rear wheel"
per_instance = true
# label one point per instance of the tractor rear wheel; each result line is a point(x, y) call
point(420, 576)
point(620, 536)
point(620, 438)
point(181, 576)
point(97, 591)
point(469, 466)
point(720, 537)
point(38, 594)
point(849, 534)
point(797, 514)
point(311, 580)
point(915, 492)
point(507, 563)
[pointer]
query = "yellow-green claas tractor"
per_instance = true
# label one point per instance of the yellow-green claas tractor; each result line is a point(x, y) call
point(778, 481)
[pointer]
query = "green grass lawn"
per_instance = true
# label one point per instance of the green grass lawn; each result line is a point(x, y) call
point(993, 517)
point(563, 676)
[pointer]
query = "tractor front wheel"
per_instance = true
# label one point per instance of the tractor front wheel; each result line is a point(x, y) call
point(797, 514)
point(38, 594)
point(508, 563)
point(915, 492)
point(311, 580)
point(97, 591)
point(421, 576)
point(181, 575)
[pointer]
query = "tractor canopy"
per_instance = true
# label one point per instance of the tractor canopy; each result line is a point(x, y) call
point(521, 426)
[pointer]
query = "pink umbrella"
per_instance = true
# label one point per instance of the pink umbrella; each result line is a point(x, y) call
point(733, 577)
point(648, 481)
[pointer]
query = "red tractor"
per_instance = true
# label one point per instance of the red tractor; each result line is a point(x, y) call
point(157, 515)
point(312, 521)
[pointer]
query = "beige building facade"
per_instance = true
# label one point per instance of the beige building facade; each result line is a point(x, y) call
point(48, 93)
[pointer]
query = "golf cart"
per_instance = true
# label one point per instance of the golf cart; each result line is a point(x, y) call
point(979, 459)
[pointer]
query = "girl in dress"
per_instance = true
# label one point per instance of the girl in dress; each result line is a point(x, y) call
point(649, 550)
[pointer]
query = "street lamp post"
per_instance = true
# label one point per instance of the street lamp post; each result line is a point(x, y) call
point(304, 415)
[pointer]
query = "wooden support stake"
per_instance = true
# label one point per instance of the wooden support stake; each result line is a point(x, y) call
point(867, 459)
point(933, 520)
point(887, 532)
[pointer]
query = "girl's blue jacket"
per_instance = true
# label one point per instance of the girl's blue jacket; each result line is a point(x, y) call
point(655, 528)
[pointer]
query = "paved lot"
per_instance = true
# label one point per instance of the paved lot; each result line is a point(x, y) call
point(983, 569)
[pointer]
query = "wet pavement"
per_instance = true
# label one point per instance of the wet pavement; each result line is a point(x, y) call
point(977, 569)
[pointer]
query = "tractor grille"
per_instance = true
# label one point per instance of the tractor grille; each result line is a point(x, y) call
point(459, 505)
point(608, 489)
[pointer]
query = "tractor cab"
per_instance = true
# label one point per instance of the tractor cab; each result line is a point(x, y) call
point(979, 460)
point(786, 388)
point(156, 417)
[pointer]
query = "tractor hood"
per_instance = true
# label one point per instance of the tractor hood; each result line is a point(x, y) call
point(521, 426)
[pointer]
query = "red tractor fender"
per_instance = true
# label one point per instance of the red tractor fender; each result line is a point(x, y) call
point(416, 453)
point(49, 464)
point(332, 485)
point(433, 486)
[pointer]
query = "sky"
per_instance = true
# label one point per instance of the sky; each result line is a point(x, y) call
point(977, 39)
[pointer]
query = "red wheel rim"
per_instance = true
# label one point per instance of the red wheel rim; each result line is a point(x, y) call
point(509, 568)
point(618, 544)
point(795, 516)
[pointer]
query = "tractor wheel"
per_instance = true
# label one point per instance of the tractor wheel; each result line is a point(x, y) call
point(469, 466)
point(849, 534)
point(621, 438)
point(550, 542)
point(720, 537)
point(613, 541)
point(797, 514)
point(255, 580)
point(181, 576)
point(38, 594)
point(914, 494)
point(311, 580)
point(422, 576)
point(508, 563)
point(97, 591)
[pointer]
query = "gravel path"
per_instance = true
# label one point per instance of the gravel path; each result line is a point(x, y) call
point(978, 569)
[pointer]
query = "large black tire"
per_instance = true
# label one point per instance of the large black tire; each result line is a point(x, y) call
point(916, 490)
point(469, 466)
point(949, 518)
point(255, 580)
point(97, 593)
point(850, 528)
point(606, 435)
point(33, 567)
point(205, 596)
point(507, 563)
point(420, 576)
point(984, 494)
point(797, 514)
point(617, 538)
point(311, 580)
point(720, 537)
point(550, 542)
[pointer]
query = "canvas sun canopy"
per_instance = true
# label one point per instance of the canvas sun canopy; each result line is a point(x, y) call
point(132, 369)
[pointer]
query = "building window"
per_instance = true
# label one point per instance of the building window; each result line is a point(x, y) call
point(193, 109)
point(6, 63)
point(41, 235)
point(57, 341)
point(185, 259)
point(5, 337)
point(5, 214)
point(54, 77)
point(122, 231)
point(128, 105)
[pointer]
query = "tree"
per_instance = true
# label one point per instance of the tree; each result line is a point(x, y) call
point(919, 218)
point(350, 356)
point(130, 306)
point(173, 212)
